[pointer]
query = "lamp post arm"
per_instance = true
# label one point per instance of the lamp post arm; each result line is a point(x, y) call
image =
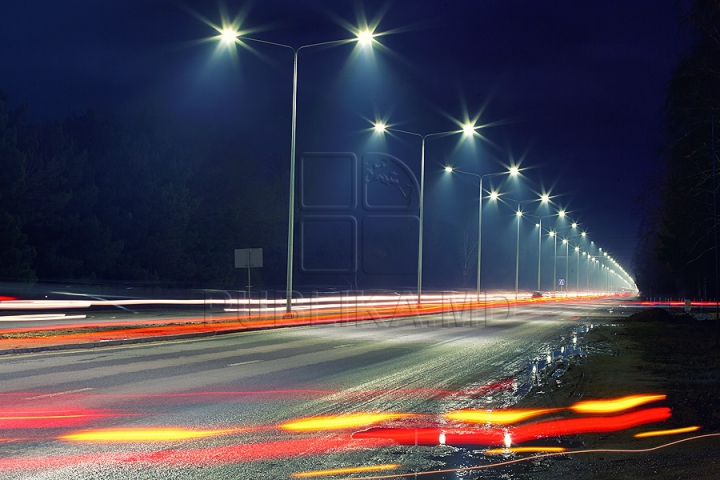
point(267, 42)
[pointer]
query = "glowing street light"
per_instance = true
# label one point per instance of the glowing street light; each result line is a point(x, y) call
point(230, 37)
point(562, 214)
point(518, 215)
point(576, 248)
point(467, 129)
point(513, 171)
point(365, 38)
point(544, 199)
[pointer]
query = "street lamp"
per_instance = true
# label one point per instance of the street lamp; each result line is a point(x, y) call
point(544, 199)
point(513, 171)
point(562, 214)
point(577, 272)
point(467, 129)
point(230, 37)
point(553, 234)
point(567, 257)
point(518, 215)
point(567, 261)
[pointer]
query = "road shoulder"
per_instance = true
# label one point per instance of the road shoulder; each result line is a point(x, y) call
point(648, 353)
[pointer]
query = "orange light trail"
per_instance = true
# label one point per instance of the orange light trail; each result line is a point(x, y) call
point(340, 422)
point(343, 471)
point(674, 431)
point(140, 435)
point(497, 417)
point(613, 405)
point(500, 451)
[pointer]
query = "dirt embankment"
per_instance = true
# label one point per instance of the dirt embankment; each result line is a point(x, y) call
point(652, 352)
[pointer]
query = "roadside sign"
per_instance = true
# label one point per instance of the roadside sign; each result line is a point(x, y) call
point(248, 258)
point(561, 281)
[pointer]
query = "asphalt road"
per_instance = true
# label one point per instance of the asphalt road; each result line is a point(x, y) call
point(65, 412)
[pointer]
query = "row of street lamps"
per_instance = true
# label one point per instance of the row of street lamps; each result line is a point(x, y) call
point(544, 199)
point(231, 36)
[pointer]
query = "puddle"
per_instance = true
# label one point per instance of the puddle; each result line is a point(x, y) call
point(550, 366)
point(540, 370)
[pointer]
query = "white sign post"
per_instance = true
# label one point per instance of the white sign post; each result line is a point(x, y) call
point(248, 258)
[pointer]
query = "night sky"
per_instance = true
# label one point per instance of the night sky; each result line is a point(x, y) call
point(571, 91)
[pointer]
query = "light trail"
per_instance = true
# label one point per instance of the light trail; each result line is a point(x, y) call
point(497, 417)
point(529, 449)
point(340, 422)
point(613, 405)
point(36, 318)
point(673, 431)
point(143, 435)
point(52, 418)
point(348, 470)
point(540, 456)
point(515, 435)
point(310, 311)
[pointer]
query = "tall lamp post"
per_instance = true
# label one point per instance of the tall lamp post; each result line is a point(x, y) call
point(518, 216)
point(567, 262)
point(544, 199)
point(567, 251)
point(513, 171)
point(467, 129)
point(230, 37)
point(587, 271)
point(566, 241)
point(554, 234)
point(583, 234)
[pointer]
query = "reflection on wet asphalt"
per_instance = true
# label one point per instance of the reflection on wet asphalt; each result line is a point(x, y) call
point(237, 391)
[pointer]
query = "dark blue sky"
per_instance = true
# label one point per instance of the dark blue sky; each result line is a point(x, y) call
point(575, 89)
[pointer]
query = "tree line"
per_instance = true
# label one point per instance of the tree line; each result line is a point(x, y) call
point(677, 248)
point(137, 199)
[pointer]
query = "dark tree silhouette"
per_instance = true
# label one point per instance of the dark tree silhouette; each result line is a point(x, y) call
point(677, 239)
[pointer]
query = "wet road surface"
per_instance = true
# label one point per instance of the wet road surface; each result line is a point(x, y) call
point(232, 406)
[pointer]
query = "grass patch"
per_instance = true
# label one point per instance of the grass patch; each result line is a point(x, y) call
point(684, 351)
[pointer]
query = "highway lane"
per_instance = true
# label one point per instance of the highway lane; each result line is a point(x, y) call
point(64, 310)
point(242, 390)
